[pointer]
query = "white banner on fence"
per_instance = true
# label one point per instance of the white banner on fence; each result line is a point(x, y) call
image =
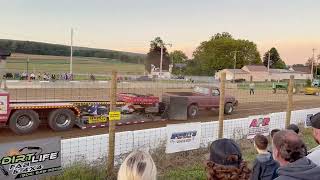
point(259, 125)
point(183, 137)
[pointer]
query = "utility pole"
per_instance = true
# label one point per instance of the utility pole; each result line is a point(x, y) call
point(71, 50)
point(317, 66)
point(269, 62)
point(28, 77)
point(234, 65)
point(161, 59)
point(312, 63)
point(269, 54)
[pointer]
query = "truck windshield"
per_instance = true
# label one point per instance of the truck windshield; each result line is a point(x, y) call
point(201, 90)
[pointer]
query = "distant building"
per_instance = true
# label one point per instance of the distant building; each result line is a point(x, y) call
point(260, 73)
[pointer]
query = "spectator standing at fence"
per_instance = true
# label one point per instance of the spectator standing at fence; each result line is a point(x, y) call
point(264, 166)
point(138, 166)
point(314, 155)
point(290, 151)
point(252, 87)
point(272, 133)
point(32, 76)
point(294, 128)
point(226, 162)
point(39, 76)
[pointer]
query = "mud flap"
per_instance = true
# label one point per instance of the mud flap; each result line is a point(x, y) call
point(177, 109)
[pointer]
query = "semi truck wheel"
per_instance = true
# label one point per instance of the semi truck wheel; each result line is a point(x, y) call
point(228, 108)
point(61, 119)
point(193, 111)
point(24, 121)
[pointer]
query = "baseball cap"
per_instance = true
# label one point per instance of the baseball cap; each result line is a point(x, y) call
point(222, 149)
point(315, 121)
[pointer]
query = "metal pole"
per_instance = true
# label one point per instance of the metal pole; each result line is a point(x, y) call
point(269, 54)
point(28, 77)
point(289, 106)
point(221, 103)
point(234, 66)
point(113, 99)
point(312, 63)
point(161, 59)
point(71, 50)
point(269, 62)
point(317, 67)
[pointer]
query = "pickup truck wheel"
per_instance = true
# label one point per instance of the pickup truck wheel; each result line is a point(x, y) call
point(61, 119)
point(24, 121)
point(193, 111)
point(228, 108)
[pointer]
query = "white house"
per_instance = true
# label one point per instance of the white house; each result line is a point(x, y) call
point(260, 73)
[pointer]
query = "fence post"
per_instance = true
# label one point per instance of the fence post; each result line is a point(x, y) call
point(289, 106)
point(113, 99)
point(221, 103)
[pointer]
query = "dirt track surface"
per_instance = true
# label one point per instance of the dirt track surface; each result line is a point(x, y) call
point(244, 110)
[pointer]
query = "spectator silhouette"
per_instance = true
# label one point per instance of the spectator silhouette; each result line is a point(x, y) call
point(264, 167)
point(226, 162)
point(138, 166)
point(294, 128)
point(314, 155)
point(290, 151)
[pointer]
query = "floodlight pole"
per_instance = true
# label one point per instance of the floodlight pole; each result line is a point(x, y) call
point(71, 50)
point(312, 63)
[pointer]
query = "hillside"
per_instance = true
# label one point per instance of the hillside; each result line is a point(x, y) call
point(60, 64)
point(41, 48)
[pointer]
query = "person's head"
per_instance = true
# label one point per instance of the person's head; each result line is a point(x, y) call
point(138, 166)
point(294, 128)
point(288, 147)
point(226, 162)
point(315, 123)
point(274, 131)
point(261, 143)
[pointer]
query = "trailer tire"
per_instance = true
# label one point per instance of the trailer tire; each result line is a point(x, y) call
point(193, 111)
point(228, 108)
point(24, 121)
point(61, 119)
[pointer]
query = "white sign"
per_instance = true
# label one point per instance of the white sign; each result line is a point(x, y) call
point(183, 137)
point(258, 125)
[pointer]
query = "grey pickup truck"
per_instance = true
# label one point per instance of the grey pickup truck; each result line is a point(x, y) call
point(202, 98)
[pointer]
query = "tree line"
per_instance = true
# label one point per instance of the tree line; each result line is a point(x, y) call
point(221, 51)
point(39, 48)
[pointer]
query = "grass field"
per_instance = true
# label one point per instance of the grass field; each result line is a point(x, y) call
point(81, 65)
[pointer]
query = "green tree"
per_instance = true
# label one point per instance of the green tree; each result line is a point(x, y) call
point(275, 59)
point(177, 57)
point(153, 57)
point(218, 53)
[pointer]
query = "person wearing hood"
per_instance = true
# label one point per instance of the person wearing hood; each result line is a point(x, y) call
point(264, 166)
point(290, 151)
point(314, 155)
